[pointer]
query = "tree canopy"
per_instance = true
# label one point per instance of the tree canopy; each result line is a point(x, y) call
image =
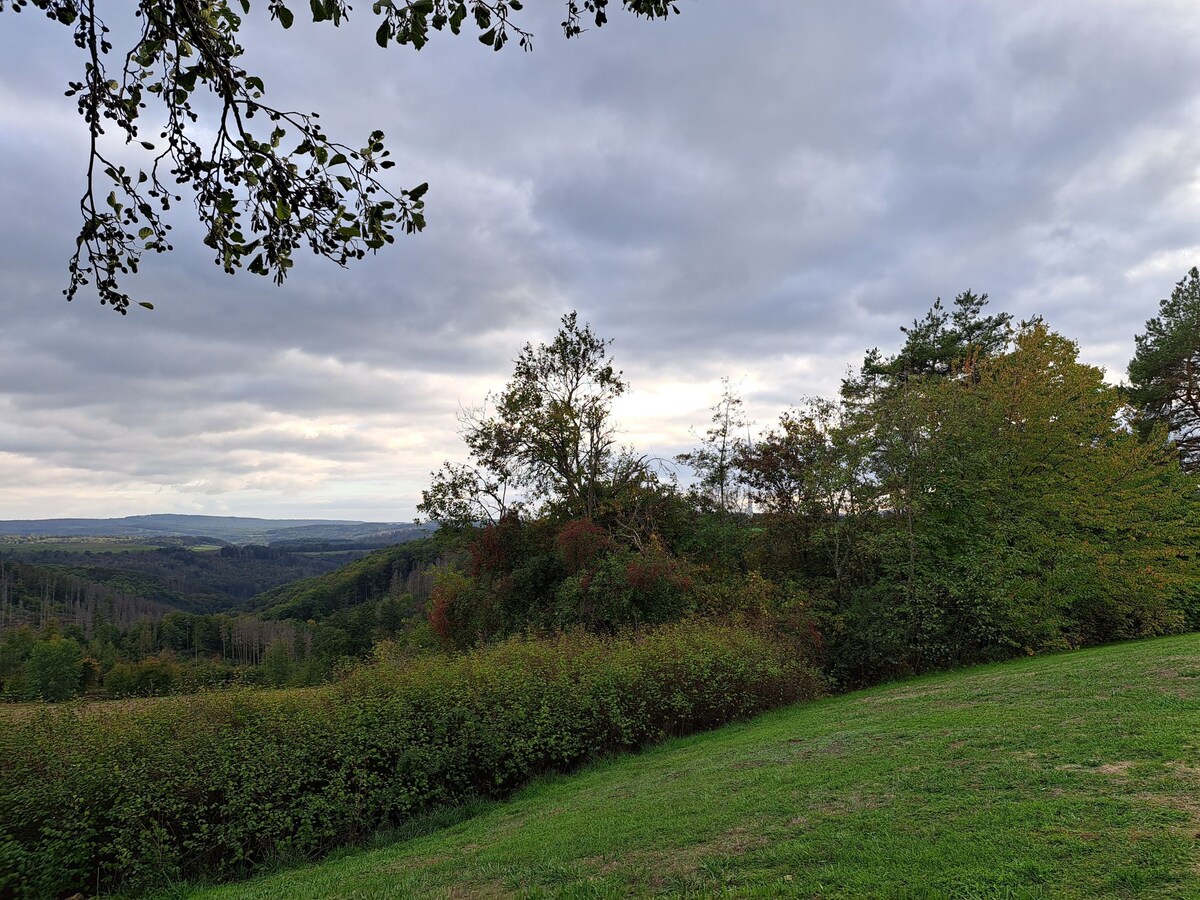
point(264, 180)
point(548, 439)
point(975, 495)
point(1164, 373)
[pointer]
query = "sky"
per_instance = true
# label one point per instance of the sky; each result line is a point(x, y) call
point(759, 190)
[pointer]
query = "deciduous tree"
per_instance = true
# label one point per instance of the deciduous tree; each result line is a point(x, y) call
point(547, 440)
point(1020, 515)
point(54, 668)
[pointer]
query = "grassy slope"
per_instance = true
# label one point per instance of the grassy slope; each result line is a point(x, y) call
point(356, 582)
point(1067, 776)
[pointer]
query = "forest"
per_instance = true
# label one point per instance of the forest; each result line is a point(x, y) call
point(176, 620)
point(976, 495)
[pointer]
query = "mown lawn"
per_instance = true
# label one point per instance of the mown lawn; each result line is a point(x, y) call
point(1075, 775)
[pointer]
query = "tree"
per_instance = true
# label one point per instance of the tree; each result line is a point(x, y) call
point(277, 662)
point(15, 646)
point(548, 440)
point(54, 669)
point(257, 200)
point(809, 474)
point(714, 461)
point(789, 468)
point(1019, 515)
point(945, 342)
point(1164, 373)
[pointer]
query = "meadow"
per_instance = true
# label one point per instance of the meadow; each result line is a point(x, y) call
point(1067, 776)
point(84, 545)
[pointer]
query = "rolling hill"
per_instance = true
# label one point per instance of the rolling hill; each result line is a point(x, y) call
point(235, 529)
point(402, 568)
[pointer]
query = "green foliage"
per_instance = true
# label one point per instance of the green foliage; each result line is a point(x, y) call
point(55, 668)
point(377, 576)
point(278, 663)
point(16, 645)
point(152, 582)
point(536, 576)
point(1066, 777)
point(628, 587)
point(550, 444)
point(943, 343)
point(1164, 373)
point(155, 676)
point(461, 611)
point(149, 653)
point(216, 785)
point(1015, 516)
point(976, 496)
point(265, 180)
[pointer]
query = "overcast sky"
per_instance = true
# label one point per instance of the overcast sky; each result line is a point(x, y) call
point(760, 190)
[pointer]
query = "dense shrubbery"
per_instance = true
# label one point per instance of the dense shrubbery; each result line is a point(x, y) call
point(977, 496)
point(214, 785)
point(536, 575)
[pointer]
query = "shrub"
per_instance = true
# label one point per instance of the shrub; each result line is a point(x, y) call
point(153, 676)
point(628, 587)
point(202, 674)
point(213, 786)
point(580, 542)
point(55, 668)
point(450, 607)
point(497, 546)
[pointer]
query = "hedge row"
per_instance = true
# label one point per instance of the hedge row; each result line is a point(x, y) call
point(213, 786)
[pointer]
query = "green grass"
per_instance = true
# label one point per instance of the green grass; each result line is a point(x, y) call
point(1075, 775)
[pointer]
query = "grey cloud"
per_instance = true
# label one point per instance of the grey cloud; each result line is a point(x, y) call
point(751, 189)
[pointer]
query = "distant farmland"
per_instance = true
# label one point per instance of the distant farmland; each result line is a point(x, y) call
point(84, 545)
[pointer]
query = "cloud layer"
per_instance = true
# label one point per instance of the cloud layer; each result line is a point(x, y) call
point(756, 190)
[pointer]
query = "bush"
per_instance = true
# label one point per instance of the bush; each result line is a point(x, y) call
point(55, 668)
point(153, 676)
point(213, 786)
point(627, 588)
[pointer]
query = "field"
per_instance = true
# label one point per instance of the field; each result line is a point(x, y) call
point(17, 545)
point(1075, 775)
point(77, 545)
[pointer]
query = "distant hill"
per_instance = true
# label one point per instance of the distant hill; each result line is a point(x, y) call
point(401, 569)
point(33, 594)
point(197, 582)
point(234, 529)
